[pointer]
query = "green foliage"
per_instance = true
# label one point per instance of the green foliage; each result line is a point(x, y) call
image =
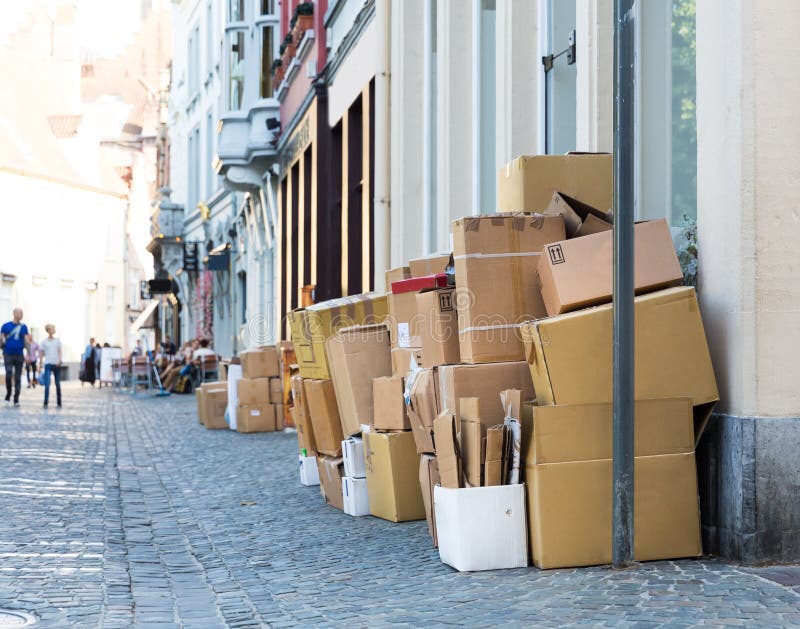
point(686, 245)
point(305, 8)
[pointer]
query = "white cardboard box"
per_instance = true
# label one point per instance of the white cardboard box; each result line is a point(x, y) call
point(482, 528)
point(234, 375)
point(353, 455)
point(309, 473)
point(354, 496)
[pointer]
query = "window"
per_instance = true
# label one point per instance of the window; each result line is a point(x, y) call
point(236, 70)
point(235, 10)
point(267, 55)
point(267, 7)
point(560, 80)
point(192, 63)
point(210, 174)
point(210, 38)
point(666, 181)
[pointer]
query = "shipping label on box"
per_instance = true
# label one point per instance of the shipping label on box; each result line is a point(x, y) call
point(255, 418)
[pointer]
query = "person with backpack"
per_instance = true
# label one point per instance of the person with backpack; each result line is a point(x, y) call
point(51, 361)
point(14, 336)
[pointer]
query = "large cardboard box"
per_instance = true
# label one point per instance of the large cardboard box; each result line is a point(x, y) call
point(260, 363)
point(331, 471)
point(255, 418)
point(428, 479)
point(253, 391)
point(429, 265)
point(484, 382)
point(314, 325)
point(200, 396)
point(496, 259)
point(527, 183)
point(569, 479)
point(438, 327)
point(324, 414)
point(422, 407)
point(482, 528)
point(389, 404)
point(578, 273)
point(302, 418)
point(392, 476)
point(570, 355)
point(354, 496)
point(357, 356)
point(215, 403)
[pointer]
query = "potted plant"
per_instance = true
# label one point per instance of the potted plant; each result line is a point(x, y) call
point(277, 70)
point(302, 20)
point(289, 47)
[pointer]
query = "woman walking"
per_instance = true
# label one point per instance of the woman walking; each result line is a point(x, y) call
point(51, 359)
point(31, 362)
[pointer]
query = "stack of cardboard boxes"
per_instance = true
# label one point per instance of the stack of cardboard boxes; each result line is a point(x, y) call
point(259, 392)
point(494, 381)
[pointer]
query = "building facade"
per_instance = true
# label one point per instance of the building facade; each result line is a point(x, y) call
point(385, 120)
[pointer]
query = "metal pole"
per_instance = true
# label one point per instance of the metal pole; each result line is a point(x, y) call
point(624, 28)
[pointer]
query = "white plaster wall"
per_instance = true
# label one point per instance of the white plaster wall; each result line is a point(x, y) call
point(354, 74)
point(594, 111)
point(748, 191)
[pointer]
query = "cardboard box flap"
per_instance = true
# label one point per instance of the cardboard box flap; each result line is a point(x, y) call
point(495, 451)
point(472, 440)
point(583, 432)
point(447, 453)
point(576, 213)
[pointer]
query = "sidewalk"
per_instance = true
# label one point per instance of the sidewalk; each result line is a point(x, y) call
point(125, 512)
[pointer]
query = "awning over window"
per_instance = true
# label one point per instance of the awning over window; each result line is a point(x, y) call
point(145, 318)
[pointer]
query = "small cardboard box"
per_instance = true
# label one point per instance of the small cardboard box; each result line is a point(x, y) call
point(496, 258)
point(356, 356)
point(276, 391)
point(253, 391)
point(429, 265)
point(392, 476)
point(260, 363)
point(438, 327)
point(482, 528)
point(201, 401)
point(354, 496)
point(527, 183)
point(422, 408)
point(580, 219)
point(324, 414)
point(215, 402)
point(233, 375)
point(570, 355)
point(484, 382)
point(428, 479)
point(577, 273)
point(402, 358)
point(390, 407)
point(331, 471)
point(353, 457)
point(309, 474)
point(314, 325)
point(302, 418)
point(255, 418)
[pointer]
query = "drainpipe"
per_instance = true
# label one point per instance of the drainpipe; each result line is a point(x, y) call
point(382, 157)
point(623, 349)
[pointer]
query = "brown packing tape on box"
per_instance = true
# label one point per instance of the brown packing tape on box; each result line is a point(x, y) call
point(447, 454)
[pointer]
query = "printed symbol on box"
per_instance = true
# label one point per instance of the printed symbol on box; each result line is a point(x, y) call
point(556, 254)
point(446, 301)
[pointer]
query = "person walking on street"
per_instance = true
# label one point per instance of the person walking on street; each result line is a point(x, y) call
point(31, 362)
point(51, 361)
point(87, 364)
point(98, 354)
point(14, 336)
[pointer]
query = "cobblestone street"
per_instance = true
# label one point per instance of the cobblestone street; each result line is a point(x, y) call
point(121, 512)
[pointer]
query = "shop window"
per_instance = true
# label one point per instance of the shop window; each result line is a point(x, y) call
point(236, 70)
point(667, 143)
